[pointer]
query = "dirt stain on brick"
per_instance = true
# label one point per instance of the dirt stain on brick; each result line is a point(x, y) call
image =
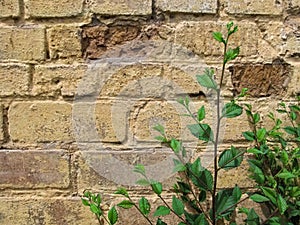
point(261, 79)
point(98, 39)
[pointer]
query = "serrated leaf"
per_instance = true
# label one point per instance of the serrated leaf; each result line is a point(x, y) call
point(230, 158)
point(218, 36)
point(201, 114)
point(126, 204)
point(202, 132)
point(237, 193)
point(162, 211)
point(231, 110)
point(252, 218)
point(156, 187)
point(249, 135)
point(207, 80)
point(293, 116)
point(161, 139)
point(282, 204)
point(144, 206)
point(85, 202)
point(112, 215)
point(259, 198)
point(177, 206)
point(254, 151)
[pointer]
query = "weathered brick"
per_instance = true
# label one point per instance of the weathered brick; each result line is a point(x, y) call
point(14, 79)
point(55, 8)
point(254, 7)
point(102, 121)
point(107, 168)
point(96, 40)
point(34, 169)
point(47, 211)
point(46, 121)
point(9, 8)
point(64, 42)
point(293, 86)
point(130, 7)
point(52, 80)
point(195, 36)
point(27, 43)
point(261, 80)
point(52, 121)
point(194, 6)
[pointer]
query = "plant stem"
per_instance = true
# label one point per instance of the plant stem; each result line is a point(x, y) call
point(216, 143)
point(146, 217)
point(180, 217)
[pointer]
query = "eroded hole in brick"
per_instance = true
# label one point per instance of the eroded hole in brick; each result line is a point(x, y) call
point(97, 39)
point(199, 95)
point(261, 79)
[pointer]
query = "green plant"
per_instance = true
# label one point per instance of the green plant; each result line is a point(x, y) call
point(93, 201)
point(275, 164)
point(197, 200)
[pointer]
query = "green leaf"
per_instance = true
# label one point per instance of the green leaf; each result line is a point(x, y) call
point(126, 204)
point(290, 130)
point(230, 158)
point(293, 116)
point(162, 211)
point(259, 198)
point(237, 193)
point(85, 202)
point(231, 110)
point(252, 218)
point(140, 169)
point(250, 136)
point(179, 166)
point(161, 139)
point(218, 36)
point(207, 79)
point(201, 220)
point(282, 204)
point(261, 133)
point(202, 132)
point(95, 209)
point(175, 145)
point(202, 196)
point(204, 180)
point(98, 199)
point(254, 151)
point(256, 118)
point(156, 187)
point(160, 222)
point(113, 215)
point(224, 203)
point(257, 173)
point(143, 182)
point(160, 129)
point(269, 193)
point(144, 206)
point(201, 114)
point(231, 54)
point(286, 175)
point(122, 191)
point(177, 206)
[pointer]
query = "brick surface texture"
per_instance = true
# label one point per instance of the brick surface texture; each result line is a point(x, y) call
point(83, 82)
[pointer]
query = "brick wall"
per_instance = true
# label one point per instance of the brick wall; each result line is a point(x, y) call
point(83, 82)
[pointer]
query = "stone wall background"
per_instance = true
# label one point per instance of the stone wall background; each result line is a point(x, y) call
point(45, 50)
